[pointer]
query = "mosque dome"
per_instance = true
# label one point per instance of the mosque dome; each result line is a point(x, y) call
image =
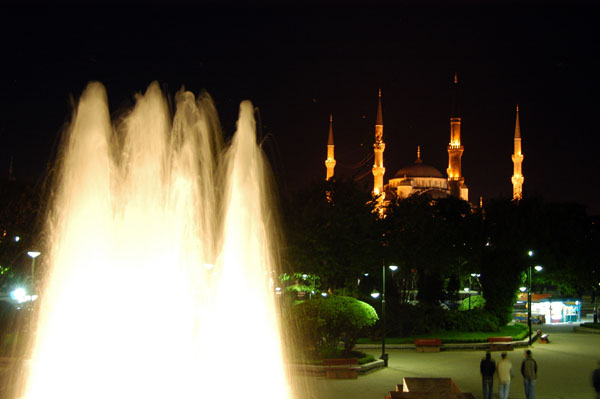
point(418, 178)
point(418, 169)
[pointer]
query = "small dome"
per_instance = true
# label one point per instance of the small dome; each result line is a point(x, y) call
point(418, 169)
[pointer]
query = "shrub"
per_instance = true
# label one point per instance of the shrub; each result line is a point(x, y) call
point(522, 334)
point(364, 359)
point(591, 325)
point(407, 320)
point(471, 320)
point(410, 320)
point(325, 323)
point(477, 302)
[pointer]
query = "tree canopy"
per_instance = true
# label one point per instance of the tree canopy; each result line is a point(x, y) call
point(330, 228)
point(437, 244)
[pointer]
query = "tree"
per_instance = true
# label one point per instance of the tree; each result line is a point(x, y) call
point(512, 229)
point(433, 237)
point(331, 232)
point(566, 250)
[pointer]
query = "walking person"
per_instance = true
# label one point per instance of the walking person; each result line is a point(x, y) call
point(487, 368)
point(596, 380)
point(504, 371)
point(529, 373)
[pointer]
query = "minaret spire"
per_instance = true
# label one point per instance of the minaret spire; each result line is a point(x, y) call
point(517, 158)
point(454, 111)
point(456, 182)
point(517, 125)
point(330, 161)
point(378, 149)
point(379, 113)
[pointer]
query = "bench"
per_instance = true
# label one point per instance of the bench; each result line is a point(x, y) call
point(428, 344)
point(500, 343)
point(499, 339)
point(341, 368)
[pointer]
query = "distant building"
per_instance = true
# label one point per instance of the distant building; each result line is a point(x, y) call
point(420, 178)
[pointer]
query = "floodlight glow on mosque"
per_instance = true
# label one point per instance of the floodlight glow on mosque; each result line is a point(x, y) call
point(420, 178)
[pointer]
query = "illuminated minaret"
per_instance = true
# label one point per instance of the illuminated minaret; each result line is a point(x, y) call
point(517, 158)
point(330, 161)
point(456, 182)
point(378, 148)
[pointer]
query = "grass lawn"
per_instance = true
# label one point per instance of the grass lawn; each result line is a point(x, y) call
point(516, 331)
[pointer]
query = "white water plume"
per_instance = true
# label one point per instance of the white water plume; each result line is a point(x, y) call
point(160, 259)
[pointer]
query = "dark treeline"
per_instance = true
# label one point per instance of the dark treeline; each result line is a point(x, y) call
point(333, 232)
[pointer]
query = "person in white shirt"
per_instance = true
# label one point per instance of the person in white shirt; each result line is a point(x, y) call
point(503, 369)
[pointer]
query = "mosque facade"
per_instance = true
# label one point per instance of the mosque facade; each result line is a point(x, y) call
point(420, 178)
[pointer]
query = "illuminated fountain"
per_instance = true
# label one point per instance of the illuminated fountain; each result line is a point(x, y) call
point(160, 259)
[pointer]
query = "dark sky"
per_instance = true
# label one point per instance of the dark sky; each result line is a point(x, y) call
point(300, 64)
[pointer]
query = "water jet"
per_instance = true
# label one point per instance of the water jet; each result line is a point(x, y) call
point(140, 207)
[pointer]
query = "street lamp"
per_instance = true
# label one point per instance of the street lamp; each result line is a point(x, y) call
point(375, 295)
point(537, 268)
point(468, 291)
point(33, 255)
point(596, 303)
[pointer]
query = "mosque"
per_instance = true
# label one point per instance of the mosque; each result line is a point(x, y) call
point(420, 178)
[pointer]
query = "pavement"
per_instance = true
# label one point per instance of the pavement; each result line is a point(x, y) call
point(565, 366)
point(564, 370)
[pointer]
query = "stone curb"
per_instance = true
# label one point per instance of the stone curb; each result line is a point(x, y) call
point(587, 330)
point(313, 369)
point(465, 346)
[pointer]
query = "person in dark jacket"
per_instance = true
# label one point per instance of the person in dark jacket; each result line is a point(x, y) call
point(596, 380)
point(529, 373)
point(487, 368)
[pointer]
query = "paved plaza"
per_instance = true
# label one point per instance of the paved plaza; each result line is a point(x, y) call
point(564, 370)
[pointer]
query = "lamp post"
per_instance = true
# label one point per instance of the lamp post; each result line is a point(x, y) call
point(529, 306)
point(468, 291)
point(33, 255)
point(537, 268)
point(375, 294)
point(596, 304)
point(476, 276)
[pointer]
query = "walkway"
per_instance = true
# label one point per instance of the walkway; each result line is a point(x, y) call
point(564, 365)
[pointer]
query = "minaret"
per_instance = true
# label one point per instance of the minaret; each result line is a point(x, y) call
point(378, 148)
point(330, 161)
point(517, 158)
point(456, 182)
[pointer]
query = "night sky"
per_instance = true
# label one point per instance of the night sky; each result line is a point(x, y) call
point(298, 65)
